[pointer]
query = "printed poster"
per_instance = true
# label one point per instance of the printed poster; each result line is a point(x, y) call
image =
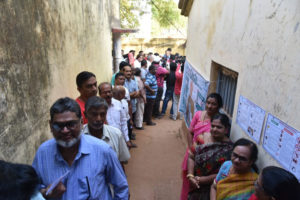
point(193, 93)
point(283, 143)
point(250, 118)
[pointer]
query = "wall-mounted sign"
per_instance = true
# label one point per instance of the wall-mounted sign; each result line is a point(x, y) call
point(250, 118)
point(283, 143)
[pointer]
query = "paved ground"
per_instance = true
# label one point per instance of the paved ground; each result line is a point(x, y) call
point(154, 168)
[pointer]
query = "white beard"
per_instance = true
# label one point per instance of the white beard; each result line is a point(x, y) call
point(68, 144)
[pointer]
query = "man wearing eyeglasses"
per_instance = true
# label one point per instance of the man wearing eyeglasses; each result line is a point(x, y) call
point(89, 164)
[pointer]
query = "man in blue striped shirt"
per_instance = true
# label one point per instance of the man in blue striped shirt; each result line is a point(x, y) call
point(90, 164)
point(151, 90)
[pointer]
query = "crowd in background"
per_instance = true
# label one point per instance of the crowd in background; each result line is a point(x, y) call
point(93, 135)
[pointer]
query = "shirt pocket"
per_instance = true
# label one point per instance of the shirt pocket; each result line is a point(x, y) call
point(91, 187)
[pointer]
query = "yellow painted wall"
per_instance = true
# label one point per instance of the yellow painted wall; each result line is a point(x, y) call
point(43, 46)
point(261, 41)
point(154, 45)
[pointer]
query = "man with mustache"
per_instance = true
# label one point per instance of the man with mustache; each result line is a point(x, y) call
point(87, 87)
point(88, 166)
point(95, 112)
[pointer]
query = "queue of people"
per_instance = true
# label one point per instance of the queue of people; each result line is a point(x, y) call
point(214, 168)
point(93, 136)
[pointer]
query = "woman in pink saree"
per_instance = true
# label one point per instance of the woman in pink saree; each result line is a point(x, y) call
point(200, 124)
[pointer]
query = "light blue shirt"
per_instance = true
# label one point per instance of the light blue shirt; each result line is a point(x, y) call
point(132, 86)
point(95, 164)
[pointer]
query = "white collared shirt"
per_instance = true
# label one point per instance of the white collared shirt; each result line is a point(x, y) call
point(113, 137)
point(113, 116)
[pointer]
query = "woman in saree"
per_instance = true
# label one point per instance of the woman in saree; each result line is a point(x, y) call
point(206, 159)
point(235, 180)
point(200, 124)
point(275, 183)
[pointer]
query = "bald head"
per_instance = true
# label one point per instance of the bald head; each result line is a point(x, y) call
point(119, 92)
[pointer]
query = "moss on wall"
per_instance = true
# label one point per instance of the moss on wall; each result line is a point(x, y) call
point(43, 46)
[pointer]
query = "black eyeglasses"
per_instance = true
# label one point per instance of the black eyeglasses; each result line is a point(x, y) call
point(241, 158)
point(58, 126)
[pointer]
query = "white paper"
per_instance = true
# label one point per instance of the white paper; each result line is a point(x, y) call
point(283, 143)
point(250, 118)
point(55, 183)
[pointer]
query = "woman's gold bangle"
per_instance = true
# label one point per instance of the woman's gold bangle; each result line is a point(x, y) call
point(190, 176)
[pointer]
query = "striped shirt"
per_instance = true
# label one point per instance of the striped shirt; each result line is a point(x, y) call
point(95, 167)
point(152, 83)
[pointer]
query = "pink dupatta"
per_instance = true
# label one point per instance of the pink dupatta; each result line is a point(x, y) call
point(198, 126)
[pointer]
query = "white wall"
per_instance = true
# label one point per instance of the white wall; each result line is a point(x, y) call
point(261, 41)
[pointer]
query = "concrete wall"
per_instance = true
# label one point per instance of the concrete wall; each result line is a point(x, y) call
point(43, 46)
point(154, 45)
point(261, 41)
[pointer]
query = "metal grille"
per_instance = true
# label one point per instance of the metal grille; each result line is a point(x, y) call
point(226, 87)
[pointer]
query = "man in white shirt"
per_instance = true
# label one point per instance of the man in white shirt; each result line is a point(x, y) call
point(95, 111)
point(114, 106)
point(118, 94)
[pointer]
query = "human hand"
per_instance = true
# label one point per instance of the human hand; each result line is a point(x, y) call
point(193, 182)
point(57, 192)
point(152, 92)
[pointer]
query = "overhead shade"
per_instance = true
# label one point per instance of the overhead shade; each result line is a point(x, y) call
point(123, 30)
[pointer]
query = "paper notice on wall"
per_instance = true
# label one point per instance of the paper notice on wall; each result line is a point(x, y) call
point(250, 118)
point(283, 143)
point(193, 93)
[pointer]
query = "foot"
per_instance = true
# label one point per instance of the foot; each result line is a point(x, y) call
point(140, 128)
point(132, 137)
point(133, 145)
point(173, 118)
point(151, 124)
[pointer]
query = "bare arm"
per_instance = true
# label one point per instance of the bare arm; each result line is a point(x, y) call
point(213, 191)
point(190, 139)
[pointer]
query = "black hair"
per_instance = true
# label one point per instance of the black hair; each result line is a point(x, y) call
point(138, 56)
point(224, 119)
point(169, 49)
point(123, 64)
point(119, 74)
point(144, 63)
point(95, 102)
point(151, 67)
point(173, 66)
point(17, 181)
point(101, 84)
point(172, 57)
point(182, 67)
point(156, 54)
point(82, 77)
point(63, 105)
point(253, 147)
point(217, 97)
point(279, 183)
point(137, 72)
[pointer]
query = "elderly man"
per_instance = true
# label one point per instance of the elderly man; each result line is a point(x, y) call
point(87, 164)
point(95, 112)
point(87, 87)
point(114, 106)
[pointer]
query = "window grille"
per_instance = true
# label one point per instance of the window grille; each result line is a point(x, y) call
point(226, 87)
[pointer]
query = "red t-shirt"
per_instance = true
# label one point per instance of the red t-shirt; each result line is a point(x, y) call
point(82, 108)
point(178, 82)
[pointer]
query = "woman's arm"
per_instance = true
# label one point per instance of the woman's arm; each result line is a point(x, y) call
point(213, 191)
point(190, 139)
point(190, 171)
point(206, 180)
